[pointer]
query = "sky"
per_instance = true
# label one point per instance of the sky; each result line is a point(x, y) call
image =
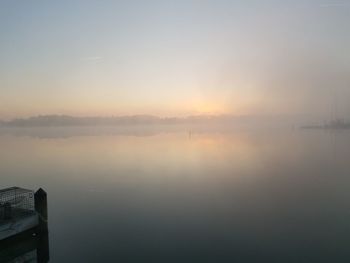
point(175, 58)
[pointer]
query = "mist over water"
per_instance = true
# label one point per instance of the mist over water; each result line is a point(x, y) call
point(211, 195)
point(178, 130)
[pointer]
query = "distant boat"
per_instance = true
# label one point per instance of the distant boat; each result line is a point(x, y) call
point(335, 123)
point(338, 124)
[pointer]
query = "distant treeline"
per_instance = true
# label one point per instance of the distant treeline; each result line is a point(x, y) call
point(64, 120)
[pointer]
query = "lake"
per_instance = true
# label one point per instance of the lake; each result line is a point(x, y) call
point(176, 194)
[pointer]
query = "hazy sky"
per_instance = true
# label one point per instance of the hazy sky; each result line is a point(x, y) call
point(174, 57)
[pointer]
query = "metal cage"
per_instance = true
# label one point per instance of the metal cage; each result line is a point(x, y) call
point(16, 202)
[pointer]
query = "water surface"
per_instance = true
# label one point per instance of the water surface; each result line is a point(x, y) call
point(187, 195)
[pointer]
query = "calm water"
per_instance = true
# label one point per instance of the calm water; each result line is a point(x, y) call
point(208, 195)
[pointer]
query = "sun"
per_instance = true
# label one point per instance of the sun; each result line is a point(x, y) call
point(210, 108)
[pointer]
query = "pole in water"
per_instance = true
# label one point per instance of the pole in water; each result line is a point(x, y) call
point(43, 250)
point(40, 200)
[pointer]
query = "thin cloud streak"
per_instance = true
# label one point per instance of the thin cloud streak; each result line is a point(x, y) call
point(92, 58)
point(335, 5)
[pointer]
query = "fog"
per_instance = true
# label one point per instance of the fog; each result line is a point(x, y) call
point(175, 131)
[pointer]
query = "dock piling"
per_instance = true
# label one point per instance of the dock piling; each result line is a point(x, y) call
point(40, 201)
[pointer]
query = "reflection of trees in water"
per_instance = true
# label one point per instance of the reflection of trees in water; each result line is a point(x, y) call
point(68, 132)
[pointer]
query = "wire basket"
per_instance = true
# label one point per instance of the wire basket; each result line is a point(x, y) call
point(16, 202)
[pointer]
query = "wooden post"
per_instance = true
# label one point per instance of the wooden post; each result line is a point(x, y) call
point(40, 200)
point(43, 250)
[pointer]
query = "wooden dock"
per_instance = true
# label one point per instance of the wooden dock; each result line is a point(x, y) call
point(22, 210)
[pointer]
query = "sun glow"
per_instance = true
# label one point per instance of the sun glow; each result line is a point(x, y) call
point(206, 107)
